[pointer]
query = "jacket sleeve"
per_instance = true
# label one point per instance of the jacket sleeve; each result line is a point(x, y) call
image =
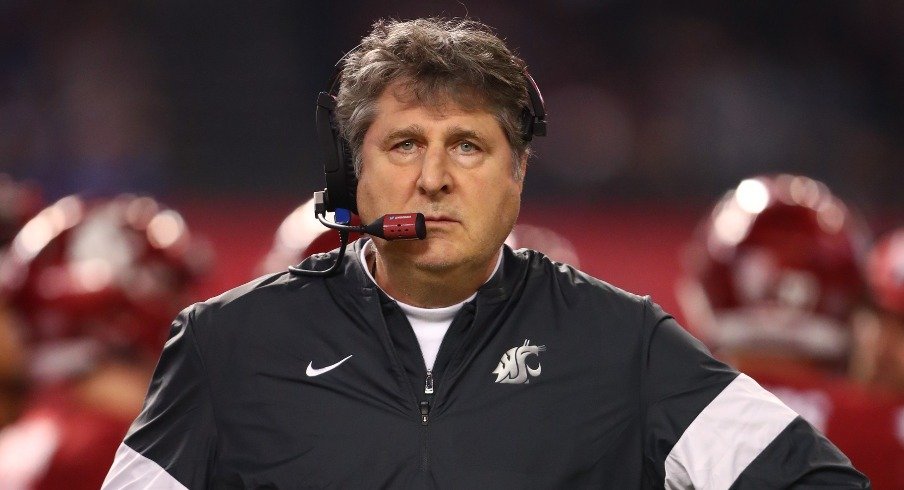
point(172, 443)
point(709, 427)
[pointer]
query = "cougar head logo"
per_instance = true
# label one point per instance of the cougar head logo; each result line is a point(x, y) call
point(513, 366)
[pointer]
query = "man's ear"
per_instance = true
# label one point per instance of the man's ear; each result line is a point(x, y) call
point(522, 166)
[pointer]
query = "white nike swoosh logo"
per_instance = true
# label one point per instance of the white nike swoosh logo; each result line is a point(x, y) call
point(311, 371)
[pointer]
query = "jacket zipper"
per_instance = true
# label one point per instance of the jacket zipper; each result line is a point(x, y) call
point(425, 404)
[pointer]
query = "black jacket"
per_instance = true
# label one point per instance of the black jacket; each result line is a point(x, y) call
point(550, 378)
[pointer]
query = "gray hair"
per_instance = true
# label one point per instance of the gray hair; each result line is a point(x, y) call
point(437, 60)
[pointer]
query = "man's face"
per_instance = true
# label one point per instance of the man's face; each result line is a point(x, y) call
point(451, 164)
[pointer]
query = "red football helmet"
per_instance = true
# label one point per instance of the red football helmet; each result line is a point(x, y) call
point(299, 236)
point(110, 274)
point(885, 272)
point(776, 265)
point(19, 202)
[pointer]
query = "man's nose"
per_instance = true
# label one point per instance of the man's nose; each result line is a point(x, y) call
point(435, 177)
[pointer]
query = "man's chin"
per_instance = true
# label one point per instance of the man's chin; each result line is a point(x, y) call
point(428, 255)
point(435, 264)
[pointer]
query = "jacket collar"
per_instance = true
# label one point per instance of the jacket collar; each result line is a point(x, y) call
point(501, 285)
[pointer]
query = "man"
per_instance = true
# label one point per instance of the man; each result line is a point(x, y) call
point(94, 284)
point(451, 362)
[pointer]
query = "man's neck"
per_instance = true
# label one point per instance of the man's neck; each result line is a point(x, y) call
point(408, 284)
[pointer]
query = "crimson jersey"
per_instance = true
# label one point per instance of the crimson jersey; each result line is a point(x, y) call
point(58, 443)
point(871, 432)
point(867, 425)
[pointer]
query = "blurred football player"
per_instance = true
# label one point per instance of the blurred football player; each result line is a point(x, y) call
point(773, 276)
point(95, 285)
point(19, 201)
point(878, 358)
point(877, 428)
point(774, 273)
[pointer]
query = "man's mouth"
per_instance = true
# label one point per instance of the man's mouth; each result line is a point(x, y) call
point(439, 219)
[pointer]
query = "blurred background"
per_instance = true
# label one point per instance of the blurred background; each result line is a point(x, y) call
point(654, 110)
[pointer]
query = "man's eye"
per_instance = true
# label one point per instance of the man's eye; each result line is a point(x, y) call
point(467, 147)
point(406, 146)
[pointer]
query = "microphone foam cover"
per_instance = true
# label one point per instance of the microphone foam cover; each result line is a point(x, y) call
point(407, 226)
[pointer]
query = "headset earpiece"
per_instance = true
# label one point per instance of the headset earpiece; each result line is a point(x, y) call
point(533, 118)
point(338, 166)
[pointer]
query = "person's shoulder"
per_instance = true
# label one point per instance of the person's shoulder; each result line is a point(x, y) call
point(568, 287)
point(573, 282)
point(268, 293)
point(250, 291)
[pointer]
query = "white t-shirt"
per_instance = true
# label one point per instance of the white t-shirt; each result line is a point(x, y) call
point(429, 324)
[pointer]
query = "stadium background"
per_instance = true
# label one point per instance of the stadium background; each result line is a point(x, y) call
point(654, 111)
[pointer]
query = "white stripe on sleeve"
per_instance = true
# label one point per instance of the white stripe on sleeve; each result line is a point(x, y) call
point(132, 470)
point(726, 436)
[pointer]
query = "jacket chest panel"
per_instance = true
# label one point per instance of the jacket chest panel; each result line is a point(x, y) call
point(326, 430)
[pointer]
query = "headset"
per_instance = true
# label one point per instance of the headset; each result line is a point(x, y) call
point(339, 196)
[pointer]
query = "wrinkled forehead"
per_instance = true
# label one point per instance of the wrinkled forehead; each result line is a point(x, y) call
point(439, 96)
